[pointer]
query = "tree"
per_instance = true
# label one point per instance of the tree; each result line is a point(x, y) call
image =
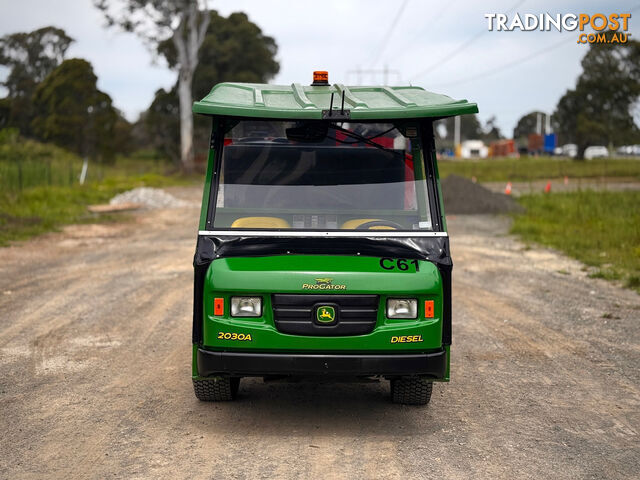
point(30, 57)
point(599, 109)
point(234, 49)
point(73, 113)
point(160, 124)
point(528, 124)
point(470, 129)
point(184, 23)
point(491, 131)
point(5, 112)
point(122, 138)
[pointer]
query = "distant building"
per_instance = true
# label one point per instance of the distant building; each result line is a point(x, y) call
point(503, 148)
point(535, 144)
point(474, 149)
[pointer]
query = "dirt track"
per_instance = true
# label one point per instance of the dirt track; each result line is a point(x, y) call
point(95, 372)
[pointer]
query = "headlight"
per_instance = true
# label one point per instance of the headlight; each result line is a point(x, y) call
point(246, 306)
point(402, 308)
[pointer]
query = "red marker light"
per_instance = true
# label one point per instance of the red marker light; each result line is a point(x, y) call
point(218, 306)
point(428, 309)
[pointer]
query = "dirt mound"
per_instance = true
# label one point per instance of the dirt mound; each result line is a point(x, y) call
point(149, 197)
point(462, 196)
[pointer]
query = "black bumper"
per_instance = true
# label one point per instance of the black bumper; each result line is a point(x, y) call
point(432, 364)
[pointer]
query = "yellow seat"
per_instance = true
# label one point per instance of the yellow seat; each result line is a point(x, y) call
point(260, 222)
point(356, 222)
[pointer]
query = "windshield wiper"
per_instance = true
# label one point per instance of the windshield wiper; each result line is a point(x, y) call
point(367, 140)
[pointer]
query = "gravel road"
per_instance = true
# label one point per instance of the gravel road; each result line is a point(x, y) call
point(95, 371)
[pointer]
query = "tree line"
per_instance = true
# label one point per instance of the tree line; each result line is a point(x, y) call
point(55, 99)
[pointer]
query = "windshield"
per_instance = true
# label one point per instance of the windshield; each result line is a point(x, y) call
point(321, 176)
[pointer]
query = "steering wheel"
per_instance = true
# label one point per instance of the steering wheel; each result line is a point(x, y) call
point(379, 223)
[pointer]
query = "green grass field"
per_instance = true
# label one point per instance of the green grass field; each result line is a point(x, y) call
point(37, 210)
point(26, 164)
point(40, 189)
point(601, 229)
point(539, 168)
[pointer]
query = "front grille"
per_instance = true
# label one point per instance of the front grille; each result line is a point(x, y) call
point(296, 314)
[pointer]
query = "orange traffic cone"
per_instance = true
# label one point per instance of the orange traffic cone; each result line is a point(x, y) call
point(547, 189)
point(507, 189)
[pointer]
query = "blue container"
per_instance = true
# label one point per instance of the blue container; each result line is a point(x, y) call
point(550, 142)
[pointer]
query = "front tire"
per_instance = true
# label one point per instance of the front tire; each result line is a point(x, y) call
point(219, 389)
point(411, 390)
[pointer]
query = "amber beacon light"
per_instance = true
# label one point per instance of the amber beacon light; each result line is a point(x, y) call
point(320, 77)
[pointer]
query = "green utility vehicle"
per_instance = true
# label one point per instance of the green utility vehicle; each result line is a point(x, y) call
point(322, 249)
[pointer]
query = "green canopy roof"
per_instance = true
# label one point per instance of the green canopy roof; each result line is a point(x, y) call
point(307, 102)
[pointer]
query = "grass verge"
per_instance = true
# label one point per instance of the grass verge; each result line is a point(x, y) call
point(601, 229)
point(37, 210)
point(539, 168)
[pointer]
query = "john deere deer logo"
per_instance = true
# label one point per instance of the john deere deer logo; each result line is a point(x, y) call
point(325, 314)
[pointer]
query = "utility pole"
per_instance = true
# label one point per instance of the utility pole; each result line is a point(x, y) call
point(456, 134)
point(547, 124)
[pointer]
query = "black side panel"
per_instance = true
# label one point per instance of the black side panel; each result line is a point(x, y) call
point(445, 272)
point(199, 272)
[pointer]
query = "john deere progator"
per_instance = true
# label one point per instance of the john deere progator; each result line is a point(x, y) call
point(322, 249)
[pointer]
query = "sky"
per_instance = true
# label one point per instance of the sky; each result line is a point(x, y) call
point(442, 46)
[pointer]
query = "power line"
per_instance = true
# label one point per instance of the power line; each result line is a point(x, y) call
point(402, 51)
point(385, 38)
point(442, 11)
point(460, 48)
point(493, 71)
point(514, 63)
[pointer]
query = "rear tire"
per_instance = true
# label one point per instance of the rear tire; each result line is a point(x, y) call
point(411, 390)
point(219, 389)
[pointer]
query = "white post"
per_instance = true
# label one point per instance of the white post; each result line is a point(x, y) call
point(539, 123)
point(547, 126)
point(83, 173)
point(456, 134)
